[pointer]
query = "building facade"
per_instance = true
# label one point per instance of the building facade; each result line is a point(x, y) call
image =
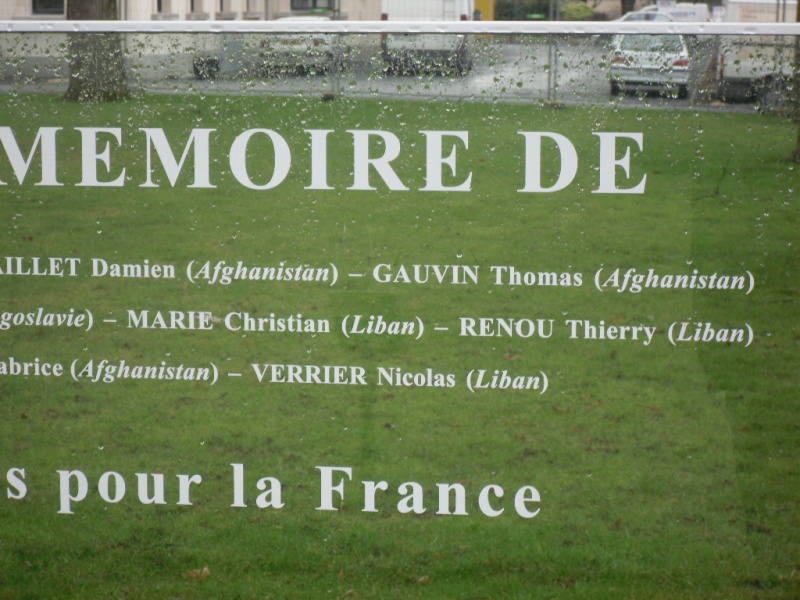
point(138, 10)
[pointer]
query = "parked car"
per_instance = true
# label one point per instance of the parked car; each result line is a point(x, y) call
point(292, 52)
point(650, 62)
point(431, 52)
point(688, 12)
point(645, 15)
point(759, 68)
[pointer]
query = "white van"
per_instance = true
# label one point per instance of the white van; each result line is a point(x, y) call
point(687, 12)
point(757, 67)
point(409, 53)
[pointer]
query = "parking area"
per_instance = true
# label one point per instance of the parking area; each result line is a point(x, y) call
point(544, 69)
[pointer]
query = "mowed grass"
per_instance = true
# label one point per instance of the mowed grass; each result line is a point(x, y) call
point(664, 472)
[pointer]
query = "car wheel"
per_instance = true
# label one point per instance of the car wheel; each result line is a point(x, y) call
point(683, 92)
point(205, 68)
point(615, 88)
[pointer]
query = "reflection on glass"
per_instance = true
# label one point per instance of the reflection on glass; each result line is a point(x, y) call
point(318, 315)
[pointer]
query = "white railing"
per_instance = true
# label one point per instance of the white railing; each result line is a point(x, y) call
point(357, 27)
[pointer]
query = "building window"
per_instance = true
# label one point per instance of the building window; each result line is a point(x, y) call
point(48, 7)
point(313, 4)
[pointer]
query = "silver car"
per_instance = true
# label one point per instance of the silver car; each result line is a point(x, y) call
point(292, 52)
point(650, 62)
point(645, 15)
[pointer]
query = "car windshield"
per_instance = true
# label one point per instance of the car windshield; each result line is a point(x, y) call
point(651, 43)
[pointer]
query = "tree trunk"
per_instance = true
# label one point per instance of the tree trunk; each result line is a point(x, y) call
point(97, 70)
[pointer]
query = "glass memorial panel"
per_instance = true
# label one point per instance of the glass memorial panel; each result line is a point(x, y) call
point(304, 309)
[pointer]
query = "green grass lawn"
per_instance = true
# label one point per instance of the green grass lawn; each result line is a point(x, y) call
point(664, 471)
